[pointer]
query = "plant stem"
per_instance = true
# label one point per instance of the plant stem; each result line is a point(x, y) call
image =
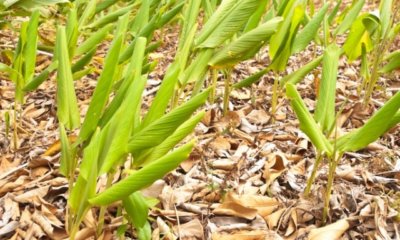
point(103, 209)
point(175, 97)
point(275, 96)
point(214, 78)
point(313, 174)
point(228, 79)
point(333, 161)
point(375, 73)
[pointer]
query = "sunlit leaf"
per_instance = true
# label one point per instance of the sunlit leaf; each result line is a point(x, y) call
point(143, 177)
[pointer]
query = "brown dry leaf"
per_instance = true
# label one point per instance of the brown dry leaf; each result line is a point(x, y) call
point(258, 117)
point(235, 209)
point(56, 146)
point(34, 230)
point(275, 166)
point(188, 164)
point(220, 143)
point(51, 217)
point(330, 232)
point(246, 235)
point(84, 234)
point(34, 113)
point(33, 196)
point(155, 189)
point(208, 117)
point(43, 222)
point(380, 216)
point(169, 197)
point(246, 206)
point(165, 229)
point(230, 120)
point(6, 165)
point(273, 219)
point(190, 230)
point(9, 210)
point(8, 185)
point(224, 164)
point(8, 228)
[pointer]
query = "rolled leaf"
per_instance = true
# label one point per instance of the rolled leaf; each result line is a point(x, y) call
point(325, 109)
point(307, 122)
point(67, 107)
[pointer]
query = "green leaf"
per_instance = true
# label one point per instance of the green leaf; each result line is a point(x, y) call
point(350, 17)
point(17, 75)
point(9, 70)
point(103, 5)
point(110, 17)
point(325, 108)
point(246, 46)
point(31, 4)
point(141, 18)
point(164, 94)
point(102, 90)
point(118, 130)
point(281, 37)
point(136, 207)
point(85, 185)
point(197, 70)
point(358, 37)
point(83, 61)
point(393, 62)
point(30, 49)
point(93, 40)
point(88, 13)
point(298, 75)
point(255, 18)
point(307, 122)
point(67, 160)
point(282, 42)
point(72, 32)
point(171, 141)
point(251, 79)
point(160, 129)
point(385, 12)
point(395, 120)
point(39, 79)
point(334, 12)
point(364, 69)
point(308, 33)
point(191, 13)
point(228, 19)
point(168, 16)
point(67, 107)
point(375, 127)
point(143, 177)
point(132, 74)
